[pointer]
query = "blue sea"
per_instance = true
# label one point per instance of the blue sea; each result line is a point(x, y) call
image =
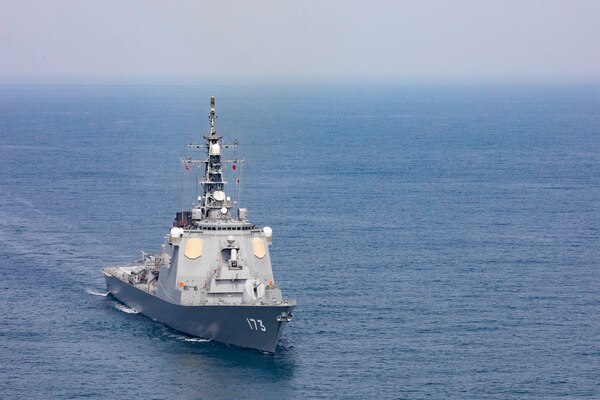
point(441, 242)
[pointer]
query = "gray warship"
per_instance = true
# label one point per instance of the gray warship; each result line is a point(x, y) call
point(212, 277)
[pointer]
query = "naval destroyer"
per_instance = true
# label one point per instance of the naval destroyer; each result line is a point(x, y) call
point(212, 277)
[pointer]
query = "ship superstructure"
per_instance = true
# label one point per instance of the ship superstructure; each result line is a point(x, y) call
point(213, 276)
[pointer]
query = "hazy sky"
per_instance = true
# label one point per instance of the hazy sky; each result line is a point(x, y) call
point(89, 41)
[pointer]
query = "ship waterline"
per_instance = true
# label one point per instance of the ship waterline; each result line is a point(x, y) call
point(256, 327)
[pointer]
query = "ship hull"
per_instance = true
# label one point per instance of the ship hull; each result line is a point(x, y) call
point(255, 327)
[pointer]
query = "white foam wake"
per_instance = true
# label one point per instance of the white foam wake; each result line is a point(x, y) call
point(125, 309)
point(95, 293)
point(189, 338)
point(197, 340)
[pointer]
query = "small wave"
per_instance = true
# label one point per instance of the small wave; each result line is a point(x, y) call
point(95, 293)
point(189, 338)
point(125, 309)
point(196, 340)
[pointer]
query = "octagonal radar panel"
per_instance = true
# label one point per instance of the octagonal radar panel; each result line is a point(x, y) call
point(219, 195)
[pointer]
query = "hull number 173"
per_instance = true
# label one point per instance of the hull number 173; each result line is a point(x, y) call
point(256, 324)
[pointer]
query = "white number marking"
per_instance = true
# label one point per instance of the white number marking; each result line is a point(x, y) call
point(256, 324)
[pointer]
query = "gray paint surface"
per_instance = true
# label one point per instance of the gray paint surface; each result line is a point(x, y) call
point(222, 323)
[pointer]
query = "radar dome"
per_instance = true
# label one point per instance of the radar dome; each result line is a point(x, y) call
point(176, 233)
point(215, 149)
point(268, 234)
point(219, 195)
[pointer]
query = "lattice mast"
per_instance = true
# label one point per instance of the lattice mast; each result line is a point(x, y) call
point(214, 203)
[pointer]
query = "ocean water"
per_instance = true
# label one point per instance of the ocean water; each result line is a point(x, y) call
point(441, 242)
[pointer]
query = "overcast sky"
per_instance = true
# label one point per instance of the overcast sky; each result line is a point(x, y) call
point(221, 41)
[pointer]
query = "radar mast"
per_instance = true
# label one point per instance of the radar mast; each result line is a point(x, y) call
point(214, 204)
